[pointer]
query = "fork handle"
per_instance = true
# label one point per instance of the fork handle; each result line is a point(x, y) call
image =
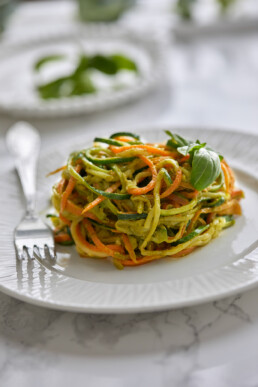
point(23, 143)
point(27, 173)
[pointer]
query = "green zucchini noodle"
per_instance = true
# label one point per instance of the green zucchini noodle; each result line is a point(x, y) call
point(132, 202)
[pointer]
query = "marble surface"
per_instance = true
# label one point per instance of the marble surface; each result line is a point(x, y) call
point(210, 81)
point(214, 344)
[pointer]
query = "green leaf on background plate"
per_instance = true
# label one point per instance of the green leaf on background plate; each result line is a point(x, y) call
point(50, 58)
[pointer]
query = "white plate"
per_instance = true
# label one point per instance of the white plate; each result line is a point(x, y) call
point(227, 265)
point(18, 95)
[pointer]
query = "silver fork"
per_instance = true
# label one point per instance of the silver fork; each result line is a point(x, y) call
point(31, 235)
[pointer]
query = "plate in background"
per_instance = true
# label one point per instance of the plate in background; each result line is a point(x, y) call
point(18, 95)
point(227, 265)
point(209, 19)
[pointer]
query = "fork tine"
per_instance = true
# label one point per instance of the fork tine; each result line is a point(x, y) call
point(20, 253)
point(41, 252)
point(30, 253)
point(51, 251)
point(36, 237)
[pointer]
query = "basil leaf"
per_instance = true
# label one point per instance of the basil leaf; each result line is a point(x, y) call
point(183, 150)
point(176, 140)
point(79, 82)
point(205, 168)
point(104, 64)
point(83, 64)
point(82, 84)
point(124, 63)
point(66, 87)
point(184, 146)
point(192, 147)
point(55, 89)
point(46, 59)
point(111, 64)
point(220, 156)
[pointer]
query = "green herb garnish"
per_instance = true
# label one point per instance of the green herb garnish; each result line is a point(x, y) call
point(50, 58)
point(205, 168)
point(79, 82)
point(205, 161)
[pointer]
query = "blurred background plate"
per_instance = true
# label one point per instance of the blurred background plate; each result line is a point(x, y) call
point(196, 18)
point(18, 95)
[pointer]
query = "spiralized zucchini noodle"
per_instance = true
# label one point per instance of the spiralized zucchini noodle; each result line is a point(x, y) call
point(133, 202)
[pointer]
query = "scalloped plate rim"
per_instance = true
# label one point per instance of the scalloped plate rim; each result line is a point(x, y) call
point(87, 104)
point(154, 305)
